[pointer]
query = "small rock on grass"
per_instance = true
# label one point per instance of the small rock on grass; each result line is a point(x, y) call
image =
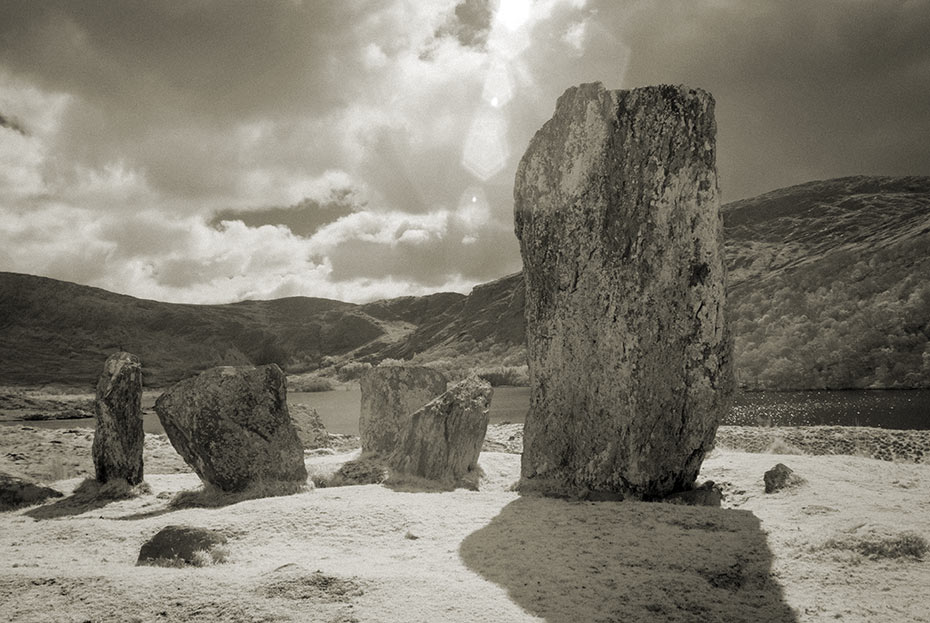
point(16, 492)
point(780, 477)
point(177, 546)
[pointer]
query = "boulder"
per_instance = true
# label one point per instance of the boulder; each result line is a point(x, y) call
point(390, 394)
point(616, 209)
point(780, 477)
point(119, 437)
point(442, 440)
point(175, 546)
point(310, 429)
point(16, 492)
point(231, 425)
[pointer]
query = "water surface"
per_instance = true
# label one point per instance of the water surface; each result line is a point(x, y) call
point(904, 409)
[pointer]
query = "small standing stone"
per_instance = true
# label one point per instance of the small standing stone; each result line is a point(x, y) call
point(390, 395)
point(443, 439)
point(231, 425)
point(780, 477)
point(119, 437)
point(617, 212)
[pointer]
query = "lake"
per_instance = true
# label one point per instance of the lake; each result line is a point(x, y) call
point(904, 409)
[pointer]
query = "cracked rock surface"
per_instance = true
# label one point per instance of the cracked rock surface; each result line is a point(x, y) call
point(617, 211)
point(232, 426)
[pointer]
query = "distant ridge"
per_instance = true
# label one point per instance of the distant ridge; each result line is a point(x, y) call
point(829, 288)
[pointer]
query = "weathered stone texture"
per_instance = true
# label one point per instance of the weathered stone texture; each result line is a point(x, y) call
point(119, 437)
point(780, 477)
point(390, 395)
point(309, 426)
point(442, 440)
point(231, 425)
point(617, 213)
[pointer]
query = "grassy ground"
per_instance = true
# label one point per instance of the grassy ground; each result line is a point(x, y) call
point(842, 546)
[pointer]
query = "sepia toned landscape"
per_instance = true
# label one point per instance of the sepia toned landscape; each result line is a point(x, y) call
point(472, 310)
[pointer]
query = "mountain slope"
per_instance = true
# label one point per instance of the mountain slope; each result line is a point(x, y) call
point(829, 288)
point(54, 331)
point(830, 284)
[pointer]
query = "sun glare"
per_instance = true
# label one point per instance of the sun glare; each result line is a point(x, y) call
point(512, 14)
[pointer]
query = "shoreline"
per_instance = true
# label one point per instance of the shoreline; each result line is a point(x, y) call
point(52, 454)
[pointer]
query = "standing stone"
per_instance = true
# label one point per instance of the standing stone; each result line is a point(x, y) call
point(390, 394)
point(231, 425)
point(443, 439)
point(617, 213)
point(119, 438)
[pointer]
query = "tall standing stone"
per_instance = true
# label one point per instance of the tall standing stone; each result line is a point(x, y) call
point(617, 213)
point(390, 395)
point(119, 438)
point(232, 426)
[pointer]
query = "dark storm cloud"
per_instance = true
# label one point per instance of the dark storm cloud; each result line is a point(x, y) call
point(804, 90)
point(12, 124)
point(163, 86)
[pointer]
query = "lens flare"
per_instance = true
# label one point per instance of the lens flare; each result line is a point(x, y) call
point(486, 150)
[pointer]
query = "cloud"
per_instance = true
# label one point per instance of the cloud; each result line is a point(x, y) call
point(803, 92)
point(12, 124)
point(470, 23)
point(210, 151)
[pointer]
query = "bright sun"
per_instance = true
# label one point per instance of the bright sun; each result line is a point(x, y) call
point(513, 13)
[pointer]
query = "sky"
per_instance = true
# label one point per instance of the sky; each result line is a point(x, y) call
point(211, 151)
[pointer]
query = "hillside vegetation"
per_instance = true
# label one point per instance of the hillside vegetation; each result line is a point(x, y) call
point(830, 284)
point(829, 288)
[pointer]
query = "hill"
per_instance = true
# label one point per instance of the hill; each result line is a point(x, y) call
point(830, 284)
point(829, 288)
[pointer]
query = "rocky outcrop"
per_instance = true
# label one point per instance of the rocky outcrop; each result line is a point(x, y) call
point(231, 425)
point(442, 440)
point(390, 394)
point(617, 213)
point(16, 492)
point(119, 437)
point(780, 477)
point(310, 429)
point(175, 546)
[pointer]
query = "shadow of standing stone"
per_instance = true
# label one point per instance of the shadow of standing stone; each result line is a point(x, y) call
point(617, 211)
point(119, 437)
point(16, 492)
point(629, 561)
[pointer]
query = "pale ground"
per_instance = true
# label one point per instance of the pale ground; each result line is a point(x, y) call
point(477, 556)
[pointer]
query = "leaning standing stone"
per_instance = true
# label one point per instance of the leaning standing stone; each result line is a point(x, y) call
point(119, 438)
point(617, 213)
point(442, 440)
point(390, 394)
point(231, 425)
